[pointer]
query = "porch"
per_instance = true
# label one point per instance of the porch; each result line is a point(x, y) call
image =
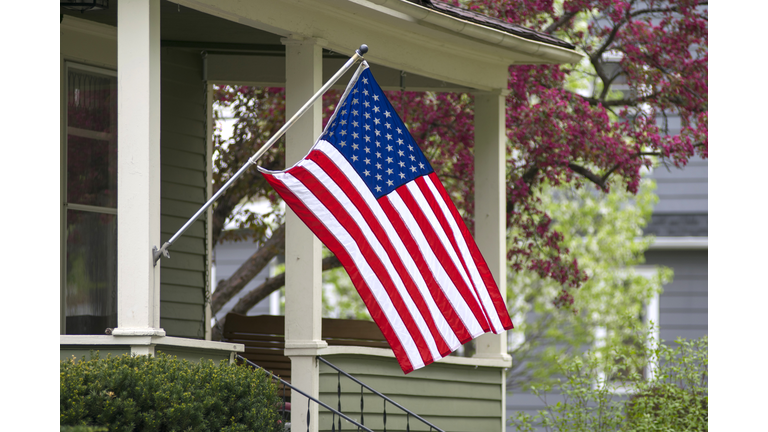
point(163, 57)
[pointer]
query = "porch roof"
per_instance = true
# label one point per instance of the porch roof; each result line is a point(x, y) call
point(441, 47)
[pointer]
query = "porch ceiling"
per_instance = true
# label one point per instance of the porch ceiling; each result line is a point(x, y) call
point(242, 40)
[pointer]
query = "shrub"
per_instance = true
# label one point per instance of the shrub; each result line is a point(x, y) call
point(674, 399)
point(162, 393)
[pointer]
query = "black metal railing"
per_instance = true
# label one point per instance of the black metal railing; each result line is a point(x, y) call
point(408, 413)
point(309, 398)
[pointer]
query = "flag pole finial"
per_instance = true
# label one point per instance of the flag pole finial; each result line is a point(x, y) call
point(362, 50)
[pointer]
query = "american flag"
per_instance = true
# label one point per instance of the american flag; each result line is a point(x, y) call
point(368, 193)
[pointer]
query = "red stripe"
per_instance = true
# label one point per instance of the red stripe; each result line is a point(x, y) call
point(363, 206)
point(421, 182)
point(442, 256)
point(482, 266)
point(340, 213)
point(334, 246)
point(443, 303)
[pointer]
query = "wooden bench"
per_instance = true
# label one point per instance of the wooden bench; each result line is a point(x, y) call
point(264, 338)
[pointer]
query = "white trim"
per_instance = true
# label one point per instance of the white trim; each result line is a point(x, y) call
point(107, 340)
point(90, 208)
point(497, 362)
point(88, 27)
point(679, 243)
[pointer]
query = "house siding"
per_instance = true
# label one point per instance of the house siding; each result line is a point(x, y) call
point(183, 277)
point(454, 398)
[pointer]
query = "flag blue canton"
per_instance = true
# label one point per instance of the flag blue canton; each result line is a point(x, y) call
point(371, 136)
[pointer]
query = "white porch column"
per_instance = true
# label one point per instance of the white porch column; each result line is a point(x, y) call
point(490, 212)
point(138, 168)
point(303, 300)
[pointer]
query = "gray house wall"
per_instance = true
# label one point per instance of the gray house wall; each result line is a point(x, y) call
point(682, 211)
point(183, 190)
point(228, 257)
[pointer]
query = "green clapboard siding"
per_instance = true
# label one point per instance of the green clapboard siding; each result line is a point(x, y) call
point(183, 190)
point(452, 397)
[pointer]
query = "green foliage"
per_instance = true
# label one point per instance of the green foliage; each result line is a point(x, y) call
point(675, 398)
point(604, 232)
point(141, 393)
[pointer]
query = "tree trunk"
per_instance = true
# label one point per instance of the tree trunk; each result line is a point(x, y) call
point(227, 289)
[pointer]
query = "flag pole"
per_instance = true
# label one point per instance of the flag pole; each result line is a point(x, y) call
point(357, 56)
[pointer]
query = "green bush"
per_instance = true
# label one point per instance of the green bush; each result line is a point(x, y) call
point(675, 399)
point(141, 393)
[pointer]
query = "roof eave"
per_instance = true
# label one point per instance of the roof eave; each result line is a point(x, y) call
point(535, 51)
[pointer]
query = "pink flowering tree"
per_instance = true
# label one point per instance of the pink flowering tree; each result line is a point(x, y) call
point(592, 124)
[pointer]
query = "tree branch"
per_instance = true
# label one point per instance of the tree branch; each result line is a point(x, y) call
point(594, 178)
point(261, 292)
point(227, 289)
point(562, 20)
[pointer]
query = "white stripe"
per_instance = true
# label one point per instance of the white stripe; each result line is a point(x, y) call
point(346, 240)
point(432, 219)
point(482, 290)
point(449, 289)
point(345, 202)
point(442, 278)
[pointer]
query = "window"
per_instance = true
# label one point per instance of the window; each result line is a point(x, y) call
point(89, 167)
point(642, 343)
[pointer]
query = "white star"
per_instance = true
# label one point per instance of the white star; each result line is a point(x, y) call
point(378, 154)
point(376, 97)
point(378, 144)
point(413, 158)
point(421, 165)
point(367, 138)
point(375, 108)
point(367, 104)
point(367, 115)
point(354, 123)
point(378, 176)
point(354, 158)
point(410, 147)
point(343, 122)
point(343, 112)
point(355, 146)
point(367, 126)
point(342, 143)
point(401, 163)
point(354, 112)
point(401, 153)
point(378, 132)
point(331, 134)
point(343, 132)
point(376, 120)
point(390, 182)
point(365, 92)
point(355, 135)
point(389, 137)
point(413, 168)
point(378, 188)
point(365, 80)
point(367, 173)
point(389, 171)
point(354, 101)
point(399, 130)
point(389, 160)
point(367, 150)
point(386, 113)
point(400, 141)
point(367, 161)
point(389, 147)
point(402, 176)
point(378, 166)
point(389, 126)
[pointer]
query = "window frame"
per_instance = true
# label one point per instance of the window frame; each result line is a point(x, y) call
point(68, 65)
